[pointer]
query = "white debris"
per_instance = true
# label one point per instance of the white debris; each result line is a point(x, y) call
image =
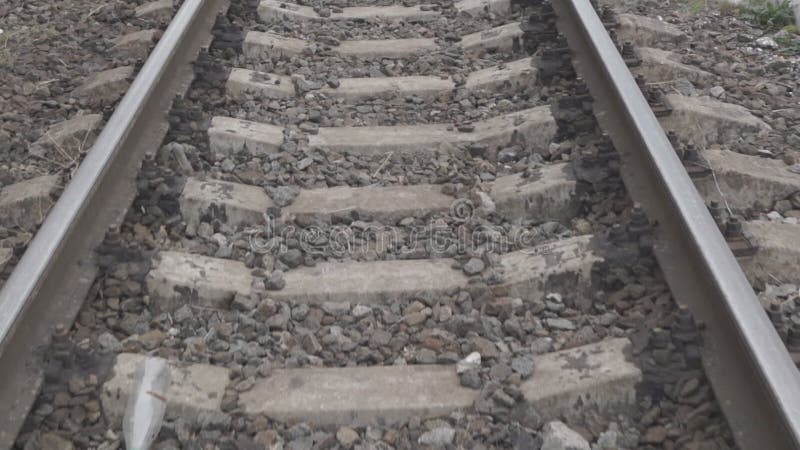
point(766, 42)
point(473, 360)
point(774, 215)
point(558, 436)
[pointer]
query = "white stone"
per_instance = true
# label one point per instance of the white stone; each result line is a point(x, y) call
point(557, 436)
point(774, 215)
point(471, 361)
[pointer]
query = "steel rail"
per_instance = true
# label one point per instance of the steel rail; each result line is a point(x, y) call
point(755, 381)
point(52, 278)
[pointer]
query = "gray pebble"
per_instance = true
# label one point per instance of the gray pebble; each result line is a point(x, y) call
point(470, 378)
point(559, 323)
point(282, 195)
point(336, 308)
point(109, 343)
point(523, 365)
point(275, 281)
point(438, 436)
point(474, 266)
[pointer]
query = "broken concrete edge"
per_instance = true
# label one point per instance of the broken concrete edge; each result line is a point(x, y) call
point(596, 376)
point(767, 180)
point(778, 255)
point(78, 130)
point(106, 86)
point(704, 121)
point(648, 32)
point(159, 10)
point(195, 392)
point(665, 66)
point(25, 204)
point(136, 44)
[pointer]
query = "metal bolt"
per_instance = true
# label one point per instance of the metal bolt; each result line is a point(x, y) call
point(661, 338)
point(775, 314)
point(607, 14)
point(685, 329)
point(737, 241)
point(60, 332)
point(616, 233)
point(733, 228)
point(640, 81)
point(691, 153)
point(639, 223)
point(716, 212)
point(627, 49)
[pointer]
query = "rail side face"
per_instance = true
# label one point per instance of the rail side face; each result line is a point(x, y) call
point(52, 278)
point(749, 367)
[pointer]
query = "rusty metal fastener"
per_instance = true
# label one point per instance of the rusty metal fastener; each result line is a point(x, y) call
point(694, 163)
point(739, 243)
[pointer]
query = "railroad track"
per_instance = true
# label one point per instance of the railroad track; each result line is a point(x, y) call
point(346, 204)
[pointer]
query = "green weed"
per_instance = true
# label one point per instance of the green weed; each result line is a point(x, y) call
point(768, 14)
